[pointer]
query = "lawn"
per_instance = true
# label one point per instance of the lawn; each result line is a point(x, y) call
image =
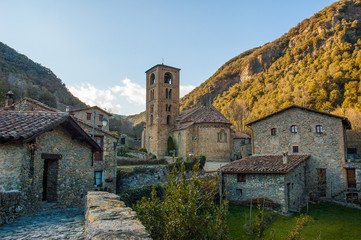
point(330, 222)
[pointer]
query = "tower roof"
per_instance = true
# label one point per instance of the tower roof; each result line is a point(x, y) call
point(162, 66)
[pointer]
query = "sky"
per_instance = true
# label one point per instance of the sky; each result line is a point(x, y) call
point(101, 49)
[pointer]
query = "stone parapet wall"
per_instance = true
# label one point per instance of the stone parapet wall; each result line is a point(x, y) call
point(106, 217)
point(11, 206)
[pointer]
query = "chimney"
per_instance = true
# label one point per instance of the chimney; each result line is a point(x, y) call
point(9, 98)
point(284, 157)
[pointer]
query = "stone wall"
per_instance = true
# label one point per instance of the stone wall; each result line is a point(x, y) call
point(11, 206)
point(106, 217)
point(327, 149)
point(241, 148)
point(142, 176)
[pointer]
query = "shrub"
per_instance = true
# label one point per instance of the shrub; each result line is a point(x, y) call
point(142, 150)
point(131, 197)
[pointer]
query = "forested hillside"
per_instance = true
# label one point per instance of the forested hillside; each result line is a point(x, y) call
point(316, 64)
point(29, 79)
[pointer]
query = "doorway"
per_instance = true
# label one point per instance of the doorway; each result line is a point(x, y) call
point(322, 181)
point(50, 180)
point(351, 178)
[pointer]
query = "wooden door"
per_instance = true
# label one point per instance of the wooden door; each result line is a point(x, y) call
point(100, 141)
point(351, 178)
point(322, 181)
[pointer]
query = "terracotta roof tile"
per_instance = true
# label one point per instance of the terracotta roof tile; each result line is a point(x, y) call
point(241, 135)
point(264, 164)
point(25, 126)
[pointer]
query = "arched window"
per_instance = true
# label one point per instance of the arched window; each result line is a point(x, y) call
point(151, 94)
point(152, 79)
point(166, 107)
point(166, 93)
point(168, 78)
point(222, 136)
point(170, 94)
point(151, 119)
point(169, 108)
point(168, 119)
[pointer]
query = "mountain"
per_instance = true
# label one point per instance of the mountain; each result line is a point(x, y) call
point(316, 64)
point(29, 79)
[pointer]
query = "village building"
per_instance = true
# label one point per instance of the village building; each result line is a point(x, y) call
point(242, 146)
point(197, 131)
point(301, 131)
point(25, 104)
point(45, 156)
point(94, 121)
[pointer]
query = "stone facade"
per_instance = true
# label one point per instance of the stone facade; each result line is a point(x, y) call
point(327, 148)
point(106, 217)
point(92, 115)
point(107, 165)
point(242, 146)
point(29, 104)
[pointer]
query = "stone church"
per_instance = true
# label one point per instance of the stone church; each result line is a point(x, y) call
point(201, 130)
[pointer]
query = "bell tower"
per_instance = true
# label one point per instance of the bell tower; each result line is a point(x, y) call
point(162, 107)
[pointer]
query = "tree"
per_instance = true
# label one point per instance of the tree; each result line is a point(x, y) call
point(188, 211)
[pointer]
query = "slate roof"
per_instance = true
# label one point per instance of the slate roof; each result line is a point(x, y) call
point(90, 108)
point(264, 164)
point(345, 121)
point(238, 135)
point(199, 114)
point(26, 126)
point(31, 101)
point(97, 129)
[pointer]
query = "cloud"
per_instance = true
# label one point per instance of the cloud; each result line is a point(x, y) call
point(133, 92)
point(94, 96)
point(184, 89)
point(127, 98)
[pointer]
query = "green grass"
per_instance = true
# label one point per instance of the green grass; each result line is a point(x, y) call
point(330, 222)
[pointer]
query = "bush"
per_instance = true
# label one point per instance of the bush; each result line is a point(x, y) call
point(123, 152)
point(131, 197)
point(189, 163)
point(142, 150)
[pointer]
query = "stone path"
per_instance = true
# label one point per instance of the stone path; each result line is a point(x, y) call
point(51, 224)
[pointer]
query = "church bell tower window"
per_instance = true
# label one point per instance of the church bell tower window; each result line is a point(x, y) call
point(168, 78)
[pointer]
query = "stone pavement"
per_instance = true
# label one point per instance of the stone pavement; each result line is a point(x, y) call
point(50, 224)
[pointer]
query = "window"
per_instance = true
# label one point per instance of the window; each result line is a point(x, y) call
point(239, 191)
point(295, 149)
point(98, 178)
point(151, 108)
point(168, 119)
point(273, 131)
point(151, 94)
point(88, 116)
point(166, 93)
point(122, 141)
point(152, 79)
point(241, 177)
point(294, 129)
point(101, 116)
point(319, 129)
point(100, 141)
point(351, 178)
point(170, 94)
point(167, 107)
point(222, 136)
point(151, 119)
point(168, 78)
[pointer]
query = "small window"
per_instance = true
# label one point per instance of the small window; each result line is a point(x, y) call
point(151, 108)
point(170, 94)
point(295, 149)
point(101, 116)
point(151, 119)
point(273, 131)
point(222, 136)
point(98, 178)
point(152, 79)
point(88, 116)
point(151, 94)
point(241, 177)
point(239, 192)
point(294, 129)
point(168, 119)
point(166, 93)
point(319, 129)
point(168, 78)
point(122, 141)
point(169, 108)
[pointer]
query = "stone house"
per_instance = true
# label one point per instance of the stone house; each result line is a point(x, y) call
point(302, 131)
point(196, 131)
point(45, 156)
point(26, 104)
point(105, 164)
point(279, 178)
point(242, 146)
point(92, 116)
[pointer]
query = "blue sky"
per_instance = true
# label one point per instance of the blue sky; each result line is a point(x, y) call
point(101, 49)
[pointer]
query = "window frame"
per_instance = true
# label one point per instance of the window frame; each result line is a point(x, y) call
point(88, 116)
point(295, 147)
point(273, 131)
point(294, 129)
point(101, 178)
point(319, 129)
